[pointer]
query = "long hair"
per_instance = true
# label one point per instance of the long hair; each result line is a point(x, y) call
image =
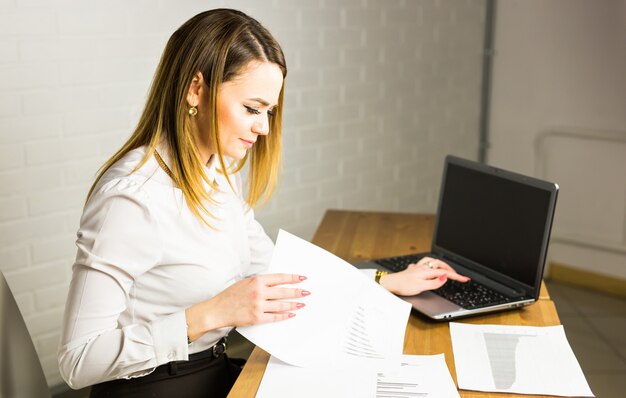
point(218, 43)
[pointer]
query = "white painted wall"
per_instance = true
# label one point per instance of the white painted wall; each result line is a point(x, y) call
point(377, 93)
point(559, 112)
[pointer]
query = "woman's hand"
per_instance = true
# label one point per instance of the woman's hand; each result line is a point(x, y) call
point(248, 302)
point(427, 274)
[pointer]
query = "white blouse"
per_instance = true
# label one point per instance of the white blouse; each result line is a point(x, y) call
point(143, 258)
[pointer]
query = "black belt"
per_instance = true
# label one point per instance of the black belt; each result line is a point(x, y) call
point(198, 363)
point(211, 353)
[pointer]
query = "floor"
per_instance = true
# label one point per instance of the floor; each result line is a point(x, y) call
point(595, 325)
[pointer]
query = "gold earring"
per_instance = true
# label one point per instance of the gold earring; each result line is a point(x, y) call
point(193, 111)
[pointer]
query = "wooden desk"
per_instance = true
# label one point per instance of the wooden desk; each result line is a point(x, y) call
point(362, 235)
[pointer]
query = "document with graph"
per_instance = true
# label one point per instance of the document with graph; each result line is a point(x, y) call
point(516, 359)
point(347, 319)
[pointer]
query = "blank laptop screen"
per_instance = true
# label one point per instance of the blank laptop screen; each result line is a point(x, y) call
point(493, 221)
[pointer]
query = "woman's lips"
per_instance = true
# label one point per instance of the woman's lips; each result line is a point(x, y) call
point(247, 143)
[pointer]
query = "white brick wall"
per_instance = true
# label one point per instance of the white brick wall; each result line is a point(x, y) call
point(377, 93)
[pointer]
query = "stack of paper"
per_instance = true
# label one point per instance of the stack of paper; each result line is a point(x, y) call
point(348, 339)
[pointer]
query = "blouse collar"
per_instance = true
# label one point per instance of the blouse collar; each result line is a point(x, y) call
point(210, 168)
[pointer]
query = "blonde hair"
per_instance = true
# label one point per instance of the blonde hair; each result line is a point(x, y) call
point(219, 43)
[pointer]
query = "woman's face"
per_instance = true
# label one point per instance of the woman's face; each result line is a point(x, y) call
point(245, 105)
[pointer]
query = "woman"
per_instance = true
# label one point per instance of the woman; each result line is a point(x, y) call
point(168, 247)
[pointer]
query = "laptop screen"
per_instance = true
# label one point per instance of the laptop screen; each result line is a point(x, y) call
point(497, 219)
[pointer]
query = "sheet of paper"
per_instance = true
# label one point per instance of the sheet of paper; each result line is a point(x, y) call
point(347, 318)
point(516, 359)
point(413, 376)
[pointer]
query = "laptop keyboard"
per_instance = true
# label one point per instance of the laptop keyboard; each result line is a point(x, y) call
point(397, 264)
point(469, 295)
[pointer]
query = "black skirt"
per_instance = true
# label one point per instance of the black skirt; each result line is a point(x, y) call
point(200, 377)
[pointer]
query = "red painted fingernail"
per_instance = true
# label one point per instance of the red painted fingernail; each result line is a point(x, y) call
point(300, 305)
point(443, 278)
point(305, 292)
point(302, 278)
point(291, 315)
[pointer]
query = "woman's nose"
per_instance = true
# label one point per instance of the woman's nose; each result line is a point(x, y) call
point(261, 125)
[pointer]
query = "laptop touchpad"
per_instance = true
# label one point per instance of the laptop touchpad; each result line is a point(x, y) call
point(429, 303)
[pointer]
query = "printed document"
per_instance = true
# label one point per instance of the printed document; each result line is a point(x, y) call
point(348, 319)
point(414, 376)
point(516, 359)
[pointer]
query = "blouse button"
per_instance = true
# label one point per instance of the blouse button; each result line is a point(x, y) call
point(171, 355)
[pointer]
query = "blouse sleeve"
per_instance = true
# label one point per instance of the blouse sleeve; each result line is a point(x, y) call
point(118, 241)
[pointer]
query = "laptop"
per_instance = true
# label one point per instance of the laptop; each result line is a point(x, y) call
point(492, 225)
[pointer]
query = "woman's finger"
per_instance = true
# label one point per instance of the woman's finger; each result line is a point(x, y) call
point(436, 264)
point(423, 263)
point(436, 283)
point(443, 265)
point(437, 273)
point(458, 277)
point(283, 292)
point(281, 279)
point(429, 262)
point(282, 306)
point(277, 316)
point(427, 273)
point(451, 272)
point(413, 265)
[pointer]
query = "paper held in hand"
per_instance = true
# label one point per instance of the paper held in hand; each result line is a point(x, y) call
point(347, 319)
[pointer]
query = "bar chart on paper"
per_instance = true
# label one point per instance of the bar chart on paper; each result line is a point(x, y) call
point(516, 359)
point(501, 349)
point(359, 342)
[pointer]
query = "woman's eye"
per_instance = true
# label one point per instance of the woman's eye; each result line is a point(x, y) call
point(270, 113)
point(252, 111)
